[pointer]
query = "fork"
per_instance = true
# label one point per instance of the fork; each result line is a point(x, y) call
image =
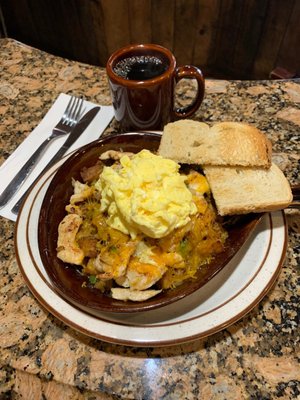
point(69, 119)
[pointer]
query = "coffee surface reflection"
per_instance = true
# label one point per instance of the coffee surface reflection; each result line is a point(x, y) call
point(140, 68)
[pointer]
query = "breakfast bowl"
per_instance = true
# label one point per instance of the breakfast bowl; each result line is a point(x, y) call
point(68, 280)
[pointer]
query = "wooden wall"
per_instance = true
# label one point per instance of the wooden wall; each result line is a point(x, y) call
point(238, 39)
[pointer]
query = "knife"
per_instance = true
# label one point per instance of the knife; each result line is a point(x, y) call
point(73, 136)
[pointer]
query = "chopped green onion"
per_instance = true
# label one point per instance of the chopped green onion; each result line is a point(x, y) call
point(112, 249)
point(184, 247)
point(92, 279)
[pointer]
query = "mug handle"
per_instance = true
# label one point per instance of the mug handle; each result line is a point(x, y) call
point(190, 72)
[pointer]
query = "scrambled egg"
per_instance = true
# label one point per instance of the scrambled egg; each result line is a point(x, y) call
point(145, 194)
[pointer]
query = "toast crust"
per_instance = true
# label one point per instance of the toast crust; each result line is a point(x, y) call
point(225, 143)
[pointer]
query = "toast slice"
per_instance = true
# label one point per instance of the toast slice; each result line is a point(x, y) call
point(245, 190)
point(225, 143)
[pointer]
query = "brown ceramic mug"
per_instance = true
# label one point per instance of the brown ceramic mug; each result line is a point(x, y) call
point(142, 80)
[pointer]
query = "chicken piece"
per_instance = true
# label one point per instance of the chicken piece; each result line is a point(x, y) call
point(148, 266)
point(113, 262)
point(73, 209)
point(88, 244)
point(198, 186)
point(197, 183)
point(133, 295)
point(90, 268)
point(122, 281)
point(67, 248)
point(89, 174)
point(174, 260)
point(114, 155)
point(143, 275)
point(81, 192)
point(148, 254)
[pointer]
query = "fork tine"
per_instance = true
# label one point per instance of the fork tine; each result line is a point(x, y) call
point(76, 106)
point(69, 108)
point(72, 111)
point(78, 114)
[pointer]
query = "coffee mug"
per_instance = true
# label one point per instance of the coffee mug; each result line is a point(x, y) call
point(142, 80)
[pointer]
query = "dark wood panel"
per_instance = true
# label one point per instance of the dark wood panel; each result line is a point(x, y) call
point(227, 35)
point(163, 22)
point(288, 56)
point(54, 27)
point(275, 25)
point(205, 35)
point(237, 39)
point(63, 22)
point(81, 35)
point(252, 16)
point(3, 32)
point(140, 21)
point(98, 53)
point(116, 23)
point(185, 30)
point(14, 14)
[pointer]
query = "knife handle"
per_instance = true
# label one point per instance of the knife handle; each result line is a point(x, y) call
point(23, 174)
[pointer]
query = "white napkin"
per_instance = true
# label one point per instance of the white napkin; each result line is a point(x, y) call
point(18, 158)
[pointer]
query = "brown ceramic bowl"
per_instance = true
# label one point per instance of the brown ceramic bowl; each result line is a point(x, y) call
point(67, 279)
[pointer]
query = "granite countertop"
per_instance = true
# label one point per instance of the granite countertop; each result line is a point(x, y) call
point(40, 357)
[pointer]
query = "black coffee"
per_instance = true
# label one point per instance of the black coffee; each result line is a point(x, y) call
point(140, 68)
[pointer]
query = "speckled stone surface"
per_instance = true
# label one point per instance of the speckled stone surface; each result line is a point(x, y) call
point(41, 358)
